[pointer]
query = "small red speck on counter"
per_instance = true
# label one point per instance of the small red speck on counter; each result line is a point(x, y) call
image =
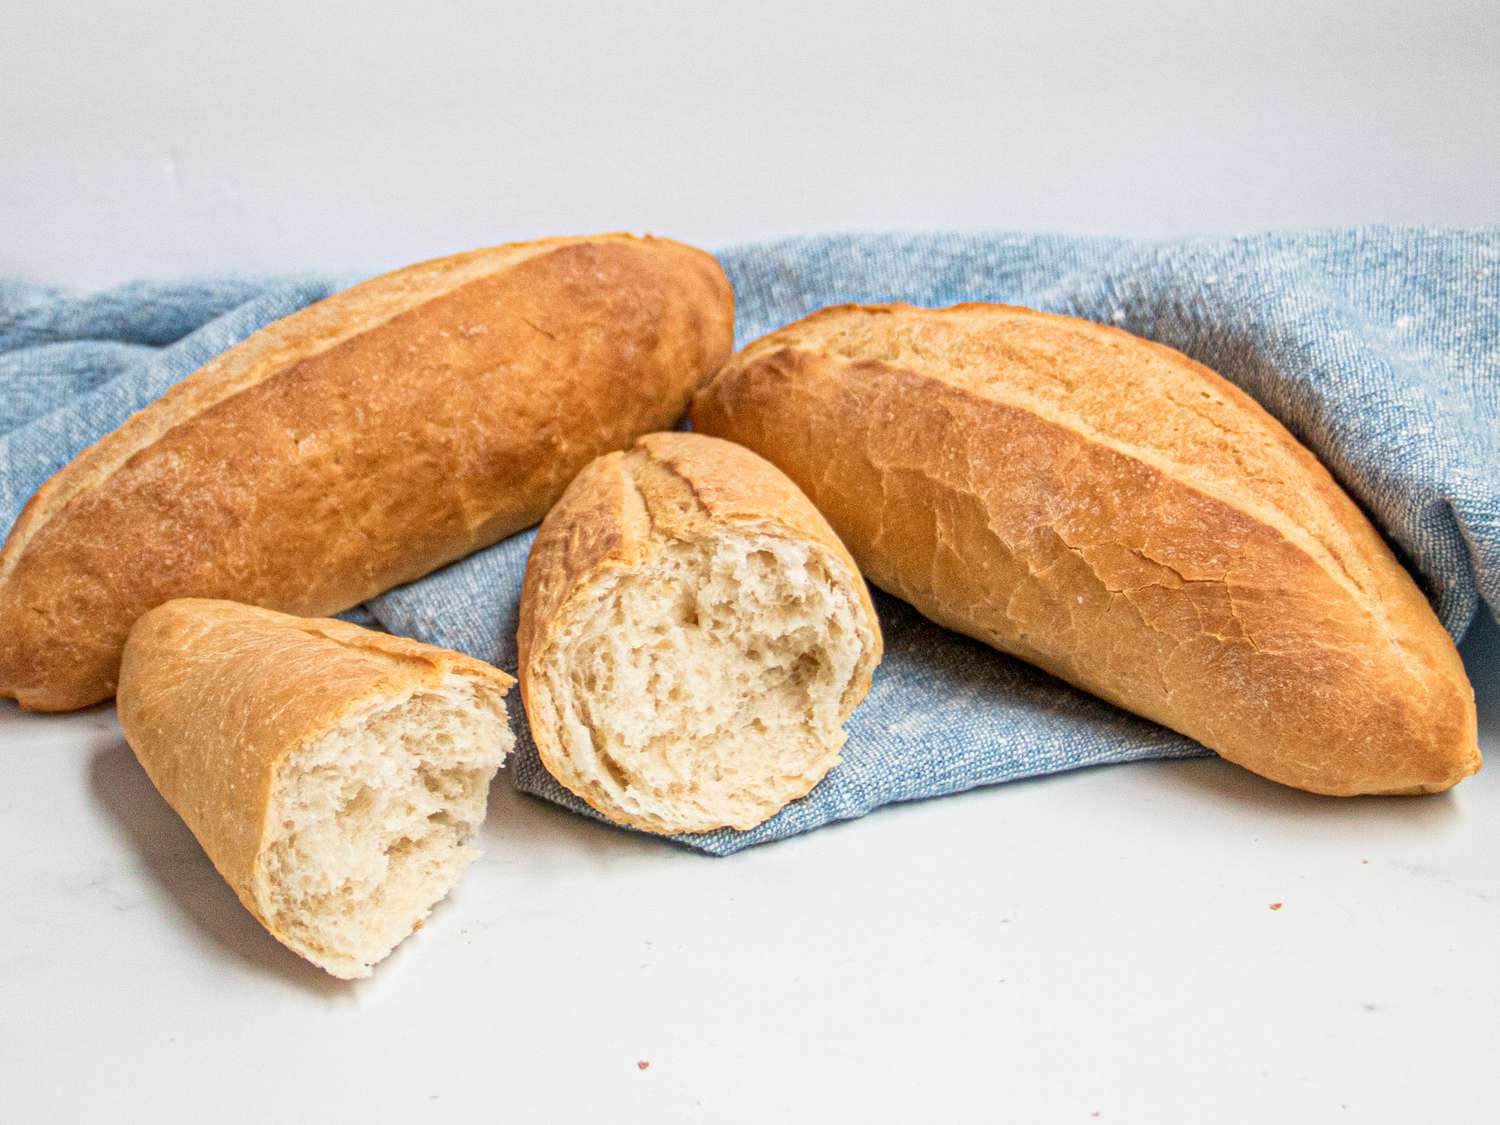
point(643, 1064)
point(1276, 906)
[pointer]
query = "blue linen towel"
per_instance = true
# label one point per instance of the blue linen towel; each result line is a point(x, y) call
point(1377, 347)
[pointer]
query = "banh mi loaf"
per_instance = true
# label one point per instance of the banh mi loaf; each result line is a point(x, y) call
point(333, 775)
point(358, 444)
point(692, 637)
point(1110, 510)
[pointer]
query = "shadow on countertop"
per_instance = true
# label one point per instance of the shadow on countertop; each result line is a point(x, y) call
point(172, 856)
point(1481, 653)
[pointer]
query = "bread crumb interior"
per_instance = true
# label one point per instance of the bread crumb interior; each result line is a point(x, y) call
point(370, 824)
point(706, 687)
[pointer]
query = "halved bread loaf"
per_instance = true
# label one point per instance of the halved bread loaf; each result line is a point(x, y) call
point(333, 775)
point(1106, 508)
point(693, 637)
point(358, 444)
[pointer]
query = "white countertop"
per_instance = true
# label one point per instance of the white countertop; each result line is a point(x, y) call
point(1097, 942)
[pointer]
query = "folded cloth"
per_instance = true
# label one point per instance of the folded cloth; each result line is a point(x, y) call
point(1377, 347)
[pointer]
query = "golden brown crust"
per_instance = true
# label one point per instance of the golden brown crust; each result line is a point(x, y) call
point(1110, 510)
point(358, 444)
point(622, 506)
point(214, 695)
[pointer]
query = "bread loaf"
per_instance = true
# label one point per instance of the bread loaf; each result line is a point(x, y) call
point(334, 775)
point(1116, 513)
point(357, 444)
point(692, 637)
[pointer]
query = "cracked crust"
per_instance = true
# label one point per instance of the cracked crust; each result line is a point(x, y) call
point(215, 695)
point(1118, 514)
point(620, 510)
point(357, 444)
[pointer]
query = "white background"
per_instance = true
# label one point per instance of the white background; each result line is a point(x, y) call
point(160, 139)
point(1091, 944)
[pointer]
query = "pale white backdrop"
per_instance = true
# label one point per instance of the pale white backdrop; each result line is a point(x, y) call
point(1091, 947)
point(166, 138)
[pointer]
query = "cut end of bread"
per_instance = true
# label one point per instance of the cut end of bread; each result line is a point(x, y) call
point(706, 687)
point(369, 825)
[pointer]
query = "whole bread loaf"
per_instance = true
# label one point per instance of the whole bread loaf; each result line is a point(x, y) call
point(1110, 510)
point(334, 775)
point(692, 638)
point(357, 444)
